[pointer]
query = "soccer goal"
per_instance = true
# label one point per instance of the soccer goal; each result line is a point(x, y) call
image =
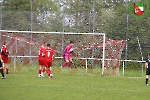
point(90, 49)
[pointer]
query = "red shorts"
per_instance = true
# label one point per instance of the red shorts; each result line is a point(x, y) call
point(48, 64)
point(5, 59)
point(41, 61)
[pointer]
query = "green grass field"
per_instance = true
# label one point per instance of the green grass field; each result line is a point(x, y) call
point(72, 85)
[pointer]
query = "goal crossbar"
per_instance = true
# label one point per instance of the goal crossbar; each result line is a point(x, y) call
point(34, 32)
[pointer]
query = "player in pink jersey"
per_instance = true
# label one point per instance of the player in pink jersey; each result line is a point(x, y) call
point(49, 54)
point(4, 55)
point(67, 56)
point(41, 61)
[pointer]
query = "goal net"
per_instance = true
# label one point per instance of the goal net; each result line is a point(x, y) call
point(91, 50)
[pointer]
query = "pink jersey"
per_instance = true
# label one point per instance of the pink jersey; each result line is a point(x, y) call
point(67, 50)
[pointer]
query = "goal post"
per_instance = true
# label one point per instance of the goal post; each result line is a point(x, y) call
point(24, 46)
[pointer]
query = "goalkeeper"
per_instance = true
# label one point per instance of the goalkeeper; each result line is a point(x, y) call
point(67, 56)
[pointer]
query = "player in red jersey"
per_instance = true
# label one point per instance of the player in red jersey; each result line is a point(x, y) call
point(41, 61)
point(4, 55)
point(67, 56)
point(49, 54)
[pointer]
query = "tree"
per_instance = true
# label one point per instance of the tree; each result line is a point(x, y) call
point(26, 14)
point(118, 23)
point(108, 16)
point(80, 15)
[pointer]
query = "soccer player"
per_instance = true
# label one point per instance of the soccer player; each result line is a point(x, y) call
point(49, 54)
point(67, 56)
point(147, 66)
point(1, 68)
point(4, 55)
point(41, 61)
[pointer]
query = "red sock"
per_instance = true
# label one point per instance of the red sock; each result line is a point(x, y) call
point(48, 72)
point(7, 70)
point(39, 71)
point(64, 64)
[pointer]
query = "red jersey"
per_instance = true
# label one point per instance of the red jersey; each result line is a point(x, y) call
point(4, 54)
point(49, 53)
point(4, 50)
point(41, 55)
point(41, 51)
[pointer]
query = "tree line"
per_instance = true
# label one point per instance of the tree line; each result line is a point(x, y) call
point(108, 16)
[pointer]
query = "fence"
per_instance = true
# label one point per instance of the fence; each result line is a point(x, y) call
point(112, 17)
point(85, 67)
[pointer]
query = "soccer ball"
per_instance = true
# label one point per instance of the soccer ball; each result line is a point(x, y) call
point(71, 50)
point(51, 75)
